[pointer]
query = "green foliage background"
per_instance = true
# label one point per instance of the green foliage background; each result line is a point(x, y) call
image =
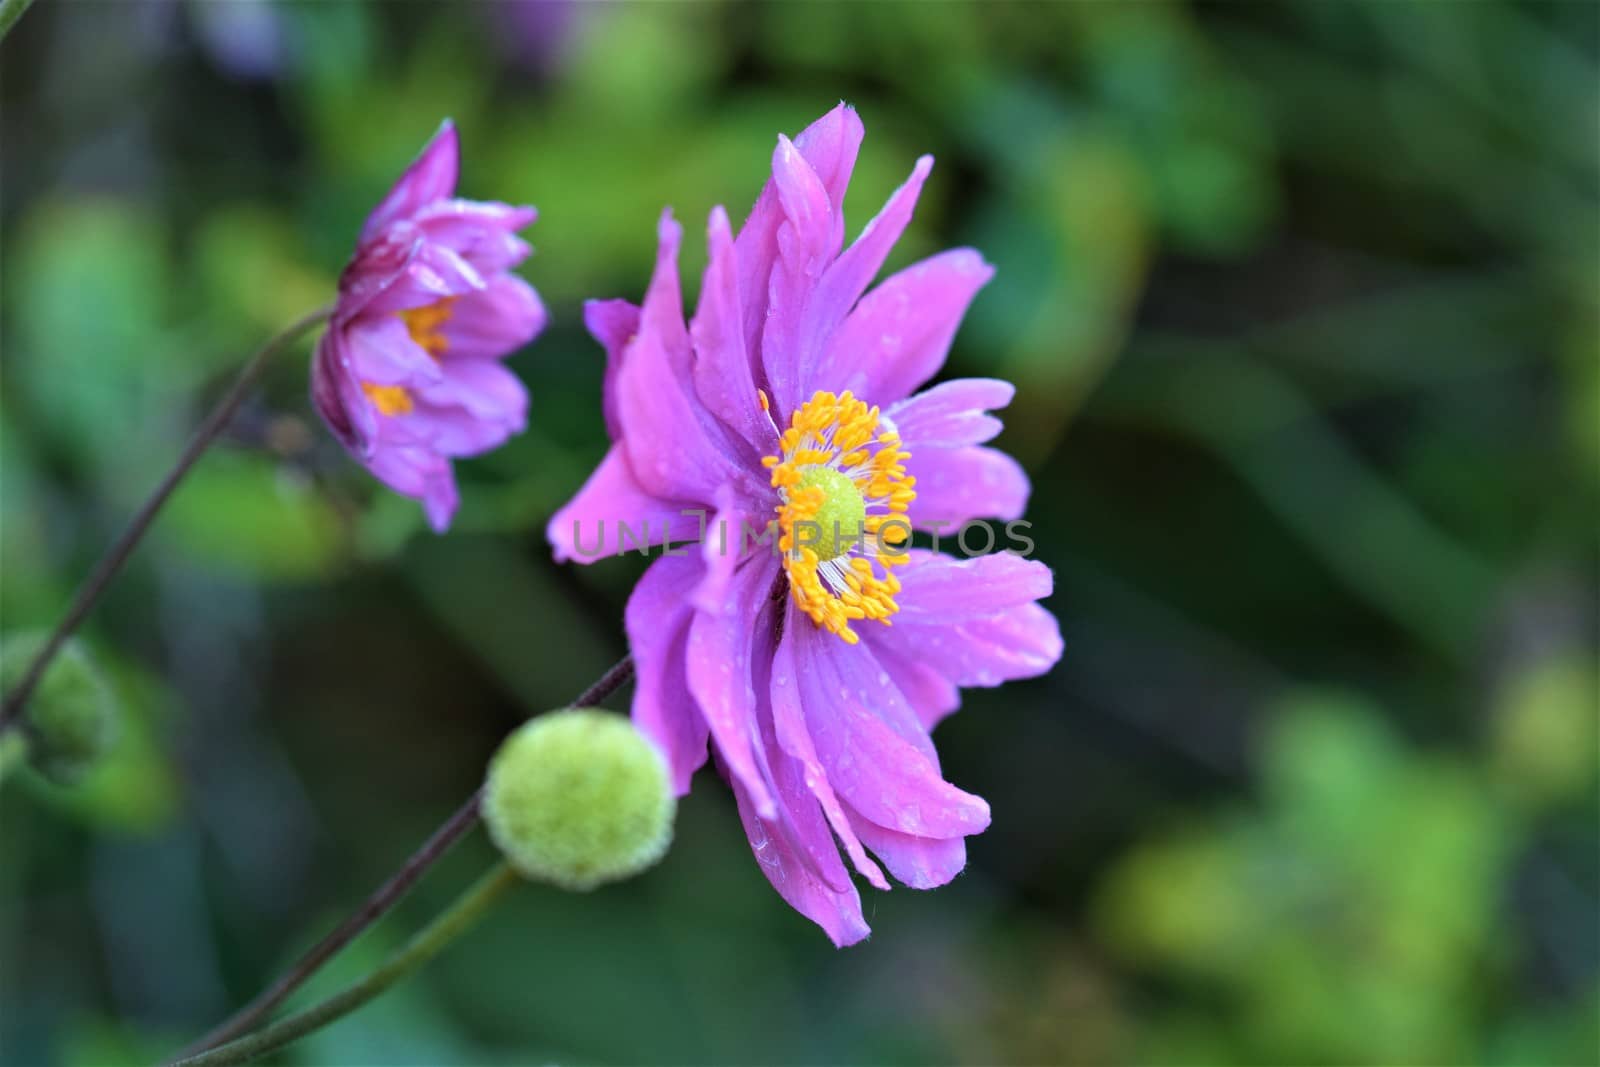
point(1302, 301)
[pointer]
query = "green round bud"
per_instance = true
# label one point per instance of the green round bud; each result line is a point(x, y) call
point(70, 722)
point(579, 798)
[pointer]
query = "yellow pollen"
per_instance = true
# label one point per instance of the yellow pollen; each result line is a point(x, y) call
point(389, 399)
point(835, 468)
point(425, 324)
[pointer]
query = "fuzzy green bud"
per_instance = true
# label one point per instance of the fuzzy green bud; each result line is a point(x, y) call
point(579, 798)
point(71, 719)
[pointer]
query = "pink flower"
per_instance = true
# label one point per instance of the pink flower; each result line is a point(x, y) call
point(408, 374)
point(786, 401)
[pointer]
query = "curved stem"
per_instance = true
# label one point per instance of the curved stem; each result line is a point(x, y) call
point(428, 943)
point(90, 591)
point(384, 897)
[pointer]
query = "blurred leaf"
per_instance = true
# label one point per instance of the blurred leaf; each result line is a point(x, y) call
point(91, 282)
point(1546, 735)
point(245, 513)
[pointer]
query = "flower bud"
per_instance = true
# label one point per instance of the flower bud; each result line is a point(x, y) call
point(70, 722)
point(579, 798)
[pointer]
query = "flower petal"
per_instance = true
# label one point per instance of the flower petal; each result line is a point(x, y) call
point(720, 670)
point(784, 862)
point(494, 321)
point(723, 550)
point(840, 287)
point(421, 474)
point(432, 273)
point(794, 738)
point(481, 232)
point(722, 372)
point(899, 334)
point(829, 145)
point(613, 323)
point(380, 351)
point(931, 695)
point(804, 243)
point(657, 620)
point(957, 485)
point(951, 414)
point(432, 176)
point(974, 620)
point(877, 756)
point(919, 862)
point(612, 514)
point(676, 448)
point(331, 391)
point(474, 407)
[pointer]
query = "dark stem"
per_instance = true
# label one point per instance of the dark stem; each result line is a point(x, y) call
point(90, 591)
point(384, 897)
point(428, 943)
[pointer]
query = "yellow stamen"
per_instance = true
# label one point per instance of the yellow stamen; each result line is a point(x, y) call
point(389, 399)
point(832, 447)
point(425, 325)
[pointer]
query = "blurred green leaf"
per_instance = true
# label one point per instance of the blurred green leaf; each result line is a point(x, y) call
point(247, 514)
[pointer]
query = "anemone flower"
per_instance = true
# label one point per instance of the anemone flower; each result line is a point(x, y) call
point(803, 636)
point(408, 375)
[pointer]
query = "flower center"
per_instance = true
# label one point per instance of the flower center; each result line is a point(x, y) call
point(388, 399)
point(843, 492)
point(425, 325)
point(840, 520)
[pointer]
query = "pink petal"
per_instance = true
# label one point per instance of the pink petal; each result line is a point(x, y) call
point(857, 721)
point(475, 407)
point(899, 334)
point(432, 273)
point(380, 351)
point(676, 448)
point(613, 514)
point(931, 695)
point(804, 243)
point(613, 323)
point(723, 549)
point(431, 177)
point(328, 392)
point(722, 372)
point(481, 232)
point(794, 738)
point(784, 863)
point(838, 290)
point(951, 413)
point(494, 321)
point(938, 589)
point(919, 862)
point(418, 473)
point(657, 619)
point(440, 500)
point(829, 145)
point(956, 485)
point(975, 620)
point(720, 677)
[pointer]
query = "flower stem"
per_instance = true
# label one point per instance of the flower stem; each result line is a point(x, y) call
point(428, 943)
point(384, 897)
point(111, 563)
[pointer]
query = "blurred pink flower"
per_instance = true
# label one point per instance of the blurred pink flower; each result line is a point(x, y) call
point(408, 374)
point(787, 400)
